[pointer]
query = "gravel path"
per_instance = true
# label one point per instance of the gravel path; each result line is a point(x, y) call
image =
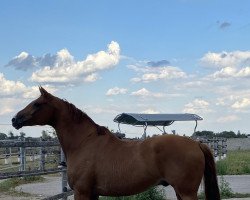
point(52, 186)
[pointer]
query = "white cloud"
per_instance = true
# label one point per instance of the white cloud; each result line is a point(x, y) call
point(101, 110)
point(197, 106)
point(157, 73)
point(244, 73)
point(231, 72)
point(6, 106)
point(146, 93)
point(91, 78)
point(233, 99)
point(67, 70)
point(25, 61)
point(15, 93)
point(150, 111)
point(13, 89)
point(10, 88)
point(229, 118)
point(116, 91)
point(226, 59)
point(226, 72)
point(241, 104)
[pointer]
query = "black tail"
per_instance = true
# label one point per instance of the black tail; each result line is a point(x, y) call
point(212, 191)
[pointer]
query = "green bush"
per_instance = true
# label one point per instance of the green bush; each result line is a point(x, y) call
point(222, 168)
point(225, 190)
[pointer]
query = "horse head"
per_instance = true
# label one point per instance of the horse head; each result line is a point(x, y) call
point(38, 112)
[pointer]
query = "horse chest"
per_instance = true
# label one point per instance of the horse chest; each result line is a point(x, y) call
point(80, 172)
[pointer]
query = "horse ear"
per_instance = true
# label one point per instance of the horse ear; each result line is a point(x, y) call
point(44, 93)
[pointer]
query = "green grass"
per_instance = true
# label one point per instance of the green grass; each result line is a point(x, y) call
point(236, 163)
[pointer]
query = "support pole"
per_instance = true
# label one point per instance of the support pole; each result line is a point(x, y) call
point(22, 158)
point(42, 158)
point(64, 175)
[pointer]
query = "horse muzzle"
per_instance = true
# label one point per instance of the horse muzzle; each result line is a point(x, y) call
point(17, 121)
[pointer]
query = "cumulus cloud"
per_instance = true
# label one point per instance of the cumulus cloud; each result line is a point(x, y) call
point(116, 91)
point(197, 106)
point(6, 106)
point(241, 104)
point(91, 78)
point(150, 74)
point(101, 110)
point(66, 70)
point(228, 118)
point(146, 93)
point(24, 61)
point(150, 111)
point(14, 93)
point(13, 89)
point(8, 87)
point(228, 65)
point(224, 59)
point(231, 72)
point(233, 99)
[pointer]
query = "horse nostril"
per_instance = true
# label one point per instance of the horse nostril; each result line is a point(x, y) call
point(13, 119)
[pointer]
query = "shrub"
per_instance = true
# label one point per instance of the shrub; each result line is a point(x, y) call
point(225, 189)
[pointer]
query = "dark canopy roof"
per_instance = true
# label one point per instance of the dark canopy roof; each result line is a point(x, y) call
point(154, 119)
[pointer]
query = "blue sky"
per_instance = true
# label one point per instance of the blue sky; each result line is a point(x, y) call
point(109, 57)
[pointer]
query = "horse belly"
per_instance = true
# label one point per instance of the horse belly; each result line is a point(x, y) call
point(126, 181)
point(125, 187)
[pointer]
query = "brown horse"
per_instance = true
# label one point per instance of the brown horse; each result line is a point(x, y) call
point(98, 163)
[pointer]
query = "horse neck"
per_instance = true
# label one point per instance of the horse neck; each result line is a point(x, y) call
point(71, 133)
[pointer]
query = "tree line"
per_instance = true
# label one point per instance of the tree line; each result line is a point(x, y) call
point(224, 134)
point(45, 135)
point(49, 135)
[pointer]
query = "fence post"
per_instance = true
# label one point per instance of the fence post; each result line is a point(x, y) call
point(64, 175)
point(22, 157)
point(42, 158)
point(224, 148)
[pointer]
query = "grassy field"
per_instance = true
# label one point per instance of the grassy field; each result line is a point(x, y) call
point(236, 163)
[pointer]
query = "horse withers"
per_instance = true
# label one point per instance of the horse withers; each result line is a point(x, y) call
point(99, 163)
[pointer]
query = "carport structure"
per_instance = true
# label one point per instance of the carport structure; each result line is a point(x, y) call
point(156, 120)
